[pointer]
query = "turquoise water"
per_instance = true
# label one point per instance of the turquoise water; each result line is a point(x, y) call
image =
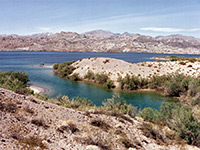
point(29, 62)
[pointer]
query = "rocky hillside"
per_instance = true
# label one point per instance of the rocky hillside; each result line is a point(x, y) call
point(101, 41)
point(29, 123)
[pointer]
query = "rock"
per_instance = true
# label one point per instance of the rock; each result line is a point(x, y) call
point(92, 147)
point(132, 148)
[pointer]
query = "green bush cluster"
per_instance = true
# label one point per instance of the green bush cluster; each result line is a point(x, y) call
point(90, 75)
point(181, 58)
point(132, 82)
point(100, 78)
point(15, 81)
point(174, 84)
point(179, 118)
point(63, 70)
point(117, 105)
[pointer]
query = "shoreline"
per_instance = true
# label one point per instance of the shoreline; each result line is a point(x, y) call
point(47, 66)
point(37, 89)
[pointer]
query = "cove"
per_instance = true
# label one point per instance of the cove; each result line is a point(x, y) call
point(44, 77)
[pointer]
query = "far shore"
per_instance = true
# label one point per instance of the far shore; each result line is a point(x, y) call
point(47, 66)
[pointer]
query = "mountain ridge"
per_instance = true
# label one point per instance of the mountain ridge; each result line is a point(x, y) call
point(101, 41)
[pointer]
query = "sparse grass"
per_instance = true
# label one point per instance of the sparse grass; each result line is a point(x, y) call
point(101, 124)
point(9, 107)
point(39, 122)
point(68, 126)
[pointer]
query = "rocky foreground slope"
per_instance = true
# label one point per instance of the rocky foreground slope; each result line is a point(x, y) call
point(29, 123)
point(101, 41)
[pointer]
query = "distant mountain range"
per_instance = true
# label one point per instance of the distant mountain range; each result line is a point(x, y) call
point(101, 41)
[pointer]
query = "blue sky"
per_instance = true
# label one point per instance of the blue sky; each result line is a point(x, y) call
point(149, 17)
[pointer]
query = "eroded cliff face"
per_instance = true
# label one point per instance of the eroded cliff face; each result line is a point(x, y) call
point(101, 41)
point(29, 123)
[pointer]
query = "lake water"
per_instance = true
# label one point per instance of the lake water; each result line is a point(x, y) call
point(29, 62)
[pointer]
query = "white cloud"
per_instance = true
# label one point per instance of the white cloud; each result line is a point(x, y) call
point(155, 29)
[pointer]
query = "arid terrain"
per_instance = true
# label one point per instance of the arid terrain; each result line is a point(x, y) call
point(101, 41)
point(115, 68)
point(29, 123)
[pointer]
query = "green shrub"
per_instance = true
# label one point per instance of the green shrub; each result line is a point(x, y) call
point(156, 82)
point(90, 75)
point(116, 104)
point(16, 81)
point(75, 77)
point(63, 70)
point(101, 78)
point(132, 82)
point(152, 115)
point(185, 124)
point(177, 117)
point(109, 84)
point(196, 100)
point(172, 89)
point(194, 87)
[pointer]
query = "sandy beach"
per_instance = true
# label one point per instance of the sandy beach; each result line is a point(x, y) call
point(47, 66)
point(37, 89)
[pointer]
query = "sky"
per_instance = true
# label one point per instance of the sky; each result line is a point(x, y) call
point(148, 17)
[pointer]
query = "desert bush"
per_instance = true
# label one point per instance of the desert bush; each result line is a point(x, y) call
point(75, 77)
point(172, 89)
point(192, 59)
point(149, 130)
point(101, 124)
point(194, 87)
point(109, 84)
point(132, 82)
point(68, 126)
point(90, 75)
point(196, 100)
point(156, 82)
point(63, 70)
point(101, 78)
point(185, 124)
point(15, 81)
point(179, 118)
point(182, 63)
point(39, 122)
point(116, 104)
point(152, 115)
point(78, 102)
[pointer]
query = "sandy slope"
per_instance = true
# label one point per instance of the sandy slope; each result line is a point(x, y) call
point(115, 67)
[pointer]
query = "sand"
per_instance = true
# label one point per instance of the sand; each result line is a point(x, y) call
point(115, 68)
point(37, 89)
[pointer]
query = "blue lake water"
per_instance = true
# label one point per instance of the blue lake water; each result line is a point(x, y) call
point(29, 62)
